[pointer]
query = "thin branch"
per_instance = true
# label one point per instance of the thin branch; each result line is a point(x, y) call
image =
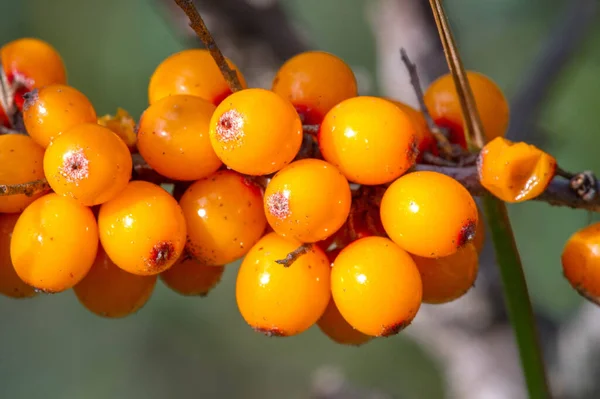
point(29, 189)
point(6, 95)
point(294, 255)
point(198, 25)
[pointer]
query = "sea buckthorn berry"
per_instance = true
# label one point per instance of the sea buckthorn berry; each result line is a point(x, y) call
point(192, 72)
point(142, 229)
point(123, 125)
point(191, 277)
point(89, 163)
point(514, 172)
point(53, 109)
point(369, 139)
point(109, 291)
point(225, 217)
point(21, 161)
point(278, 300)
point(425, 140)
point(338, 329)
point(450, 277)
point(256, 132)
point(443, 104)
point(376, 286)
point(429, 214)
point(479, 239)
point(308, 200)
point(54, 243)
point(173, 138)
point(315, 81)
point(581, 262)
point(11, 284)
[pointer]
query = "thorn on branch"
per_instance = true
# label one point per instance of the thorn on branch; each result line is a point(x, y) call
point(28, 189)
point(294, 255)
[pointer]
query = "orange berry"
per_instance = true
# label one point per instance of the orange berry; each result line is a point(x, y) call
point(376, 286)
point(142, 229)
point(315, 81)
point(225, 217)
point(192, 72)
point(429, 214)
point(338, 329)
point(278, 300)
point(189, 276)
point(425, 140)
point(443, 104)
point(479, 238)
point(53, 109)
point(11, 284)
point(21, 161)
point(54, 243)
point(173, 138)
point(515, 172)
point(123, 125)
point(109, 291)
point(581, 262)
point(450, 277)
point(256, 132)
point(89, 163)
point(308, 200)
point(369, 139)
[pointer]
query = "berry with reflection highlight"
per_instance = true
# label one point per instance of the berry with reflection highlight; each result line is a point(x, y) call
point(11, 284)
point(191, 277)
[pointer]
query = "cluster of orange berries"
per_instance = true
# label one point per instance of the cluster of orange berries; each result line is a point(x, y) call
point(309, 182)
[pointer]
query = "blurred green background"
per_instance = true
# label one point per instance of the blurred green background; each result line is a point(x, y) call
point(180, 347)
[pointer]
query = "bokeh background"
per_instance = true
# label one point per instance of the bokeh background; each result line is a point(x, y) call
point(545, 54)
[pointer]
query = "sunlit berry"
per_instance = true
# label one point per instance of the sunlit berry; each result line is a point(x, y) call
point(369, 139)
point(376, 286)
point(278, 300)
point(142, 229)
point(173, 137)
point(425, 140)
point(11, 284)
point(54, 243)
point(256, 132)
point(338, 329)
point(581, 262)
point(190, 277)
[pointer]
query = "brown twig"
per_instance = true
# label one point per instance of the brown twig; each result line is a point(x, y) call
point(29, 188)
point(294, 255)
point(6, 96)
point(198, 25)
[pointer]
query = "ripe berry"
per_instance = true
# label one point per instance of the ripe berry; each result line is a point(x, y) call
point(89, 163)
point(581, 262)
point(54, 243)
point(514, 172)
point(53, 109)
point(443, 104)
point(337, 328)
point(479, 238)
point(192, 72)
point(225, 217)
point(21, 161)
point(308, 200)
point(10, 283)
point(191, 277)
point(142, 229)
point(429, 214)
point(425, 140)
point(278, 300)
point(376, 286)
point(109, 291)
point(369, 139)
point(450, 277)
point(173, 137)
point(315, 81)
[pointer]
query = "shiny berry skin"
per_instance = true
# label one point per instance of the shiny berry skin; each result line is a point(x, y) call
point(450, 277)
point(278, 300)
point(21, 161)
point(581, 262)
point(109, 291)
point(190, 277)
point(376, 286)
point(429, 214)
point(173, 137)
point(315, 81)
point(514, 172)
point(441, 99)
point(225, 217)
point(10, 283)
point(425, 140)
point(54, 243)
point(142, 229)
point(89, 163)
point(192, 72)
point(337, 328)
point(369, 139)
point(53, 109)
point(308, 200)
point(256, 132)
